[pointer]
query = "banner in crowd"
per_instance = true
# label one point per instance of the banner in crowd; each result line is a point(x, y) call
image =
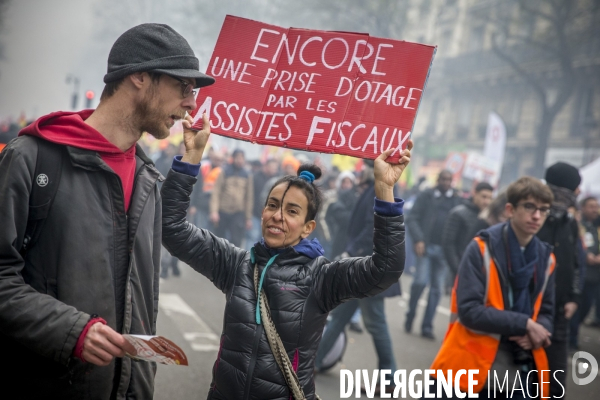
point(325, 91)
point(495, 139)
point(480, 168)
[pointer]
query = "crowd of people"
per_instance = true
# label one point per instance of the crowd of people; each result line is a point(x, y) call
point(86, 213)
point(441, 225)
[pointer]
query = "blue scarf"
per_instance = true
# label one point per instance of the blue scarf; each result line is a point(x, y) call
point(521, 270)
point(310, 248)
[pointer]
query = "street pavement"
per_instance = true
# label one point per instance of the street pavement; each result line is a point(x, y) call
point(191, 314)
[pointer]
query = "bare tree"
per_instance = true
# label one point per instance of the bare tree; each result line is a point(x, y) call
point(200, 21)
point(378, 18)
point(542, 38)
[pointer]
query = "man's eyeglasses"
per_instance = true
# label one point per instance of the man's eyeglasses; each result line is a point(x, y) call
point(186, 87)
point(531, 208)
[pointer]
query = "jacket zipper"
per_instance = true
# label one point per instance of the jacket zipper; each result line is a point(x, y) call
point(257, 336)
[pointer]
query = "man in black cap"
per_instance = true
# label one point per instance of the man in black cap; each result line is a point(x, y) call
point(80, 237)
point(562, 232)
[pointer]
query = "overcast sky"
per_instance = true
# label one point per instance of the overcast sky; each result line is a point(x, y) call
point(45, 41)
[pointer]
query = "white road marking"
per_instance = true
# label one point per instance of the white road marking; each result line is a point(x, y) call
point(194, 329)
point(193, 335)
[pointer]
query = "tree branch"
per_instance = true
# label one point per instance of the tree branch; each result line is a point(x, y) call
point(526, 75)
point(538, 13)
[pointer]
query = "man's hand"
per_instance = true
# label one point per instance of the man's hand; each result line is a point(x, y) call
point(102, 344)
point(195, 141)
point(386, 174)
point(214, 218)
point(420, 249)
point(522, 341)
point(538, 335)
point(570, 309)
point(590, 258)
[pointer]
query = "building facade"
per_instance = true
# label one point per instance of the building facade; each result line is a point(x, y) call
point(469, 79)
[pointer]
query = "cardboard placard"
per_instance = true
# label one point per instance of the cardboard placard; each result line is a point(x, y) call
point(325, 91)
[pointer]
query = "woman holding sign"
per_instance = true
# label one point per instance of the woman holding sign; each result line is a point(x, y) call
point(280, 293)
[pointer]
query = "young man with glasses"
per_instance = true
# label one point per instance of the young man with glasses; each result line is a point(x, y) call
point(90, 271)
point(503, 299)
point(562, 232)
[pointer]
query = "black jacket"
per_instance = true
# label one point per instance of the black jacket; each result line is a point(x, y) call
point(561, 231)
point(460, 228)
point(259, 180)
point(301, 291)
point(338, 218)
point(90, 258)
point(592, 245)
point(421, 219)
point(359, 233)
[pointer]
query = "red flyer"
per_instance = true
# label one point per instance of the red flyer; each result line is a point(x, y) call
point(324, 91)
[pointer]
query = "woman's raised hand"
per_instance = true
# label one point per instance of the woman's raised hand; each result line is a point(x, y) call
point(195, 141)
point(387, 174)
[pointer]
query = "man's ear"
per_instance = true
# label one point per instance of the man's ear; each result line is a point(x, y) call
point(509, 209)
point(309, 227)
point(139, 79)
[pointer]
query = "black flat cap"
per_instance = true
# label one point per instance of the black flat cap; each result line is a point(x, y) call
point(157, 48)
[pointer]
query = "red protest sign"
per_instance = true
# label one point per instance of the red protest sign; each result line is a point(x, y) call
point(331, 92)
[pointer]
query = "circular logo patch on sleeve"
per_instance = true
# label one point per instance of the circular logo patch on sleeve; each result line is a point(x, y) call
point(42, 180)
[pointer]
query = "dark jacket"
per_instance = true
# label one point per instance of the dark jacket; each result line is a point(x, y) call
point(338, 218)
point(421, 220)
point(561, 231)
point(259, 180)
point(473, 313)
point(460, 228)
point(301, 291)
point(104, 261)
point(359, 233)
point(591, 245)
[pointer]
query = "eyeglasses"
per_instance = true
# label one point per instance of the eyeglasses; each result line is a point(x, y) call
point(531, 208)
point(186, 87)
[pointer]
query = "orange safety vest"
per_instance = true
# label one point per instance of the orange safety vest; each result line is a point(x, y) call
point(465, 348)
point(210, 179)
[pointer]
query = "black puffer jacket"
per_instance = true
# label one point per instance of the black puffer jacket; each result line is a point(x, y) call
point(301, 292)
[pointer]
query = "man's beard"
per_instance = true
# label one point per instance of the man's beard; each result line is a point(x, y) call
point(149, 119)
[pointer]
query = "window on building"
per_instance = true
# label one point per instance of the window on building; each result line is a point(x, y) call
point(476, 38)
point(465, 112)
point(585, 113)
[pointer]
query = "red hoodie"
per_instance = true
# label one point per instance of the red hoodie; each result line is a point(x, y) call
point(69, 128)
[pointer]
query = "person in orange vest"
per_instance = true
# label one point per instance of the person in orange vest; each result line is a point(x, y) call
point(503, 303)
